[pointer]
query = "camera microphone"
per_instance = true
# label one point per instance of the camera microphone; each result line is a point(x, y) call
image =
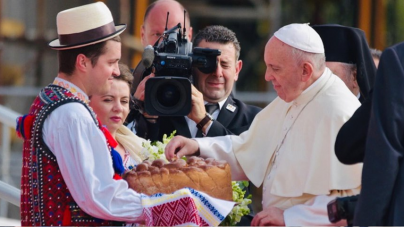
point(148, 56)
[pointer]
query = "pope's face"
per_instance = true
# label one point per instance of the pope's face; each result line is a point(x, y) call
point(282, 70)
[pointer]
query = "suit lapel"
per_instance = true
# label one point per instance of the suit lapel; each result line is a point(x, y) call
point(225, 115)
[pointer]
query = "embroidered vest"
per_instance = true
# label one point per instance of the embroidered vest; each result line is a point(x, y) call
point(45, 198)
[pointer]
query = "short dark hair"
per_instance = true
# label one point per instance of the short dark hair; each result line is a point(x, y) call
point(67, 58)
point(218, 34)
point(125, 75)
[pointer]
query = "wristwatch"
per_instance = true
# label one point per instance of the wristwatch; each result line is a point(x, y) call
point(204, 121)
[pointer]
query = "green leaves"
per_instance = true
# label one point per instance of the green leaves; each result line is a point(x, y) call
point(155, 150)
point(241, 207)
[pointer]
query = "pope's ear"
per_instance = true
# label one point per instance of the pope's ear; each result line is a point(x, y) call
point(307, 71)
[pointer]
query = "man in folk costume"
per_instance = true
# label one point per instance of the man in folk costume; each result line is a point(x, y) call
point(289, 147)
point(68, 175)
point(65, 179)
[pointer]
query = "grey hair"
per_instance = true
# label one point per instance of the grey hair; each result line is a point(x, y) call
point(318, 60)
point(349, 69)
point(376, 53)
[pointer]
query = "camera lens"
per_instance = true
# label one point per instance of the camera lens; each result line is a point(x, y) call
point(168, 95)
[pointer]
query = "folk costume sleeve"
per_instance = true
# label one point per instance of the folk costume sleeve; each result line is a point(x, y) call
point(85, 163)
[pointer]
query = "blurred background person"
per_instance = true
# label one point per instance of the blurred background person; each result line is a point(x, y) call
point(155, 20)
point(376, 54)
point(348, 56)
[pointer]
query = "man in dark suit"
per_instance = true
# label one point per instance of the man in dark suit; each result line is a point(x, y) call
point(382, 194)
point(229, 116)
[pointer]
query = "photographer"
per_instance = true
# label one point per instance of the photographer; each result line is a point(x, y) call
point(231, 116)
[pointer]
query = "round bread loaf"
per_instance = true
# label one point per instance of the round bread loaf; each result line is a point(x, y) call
point(206, 175)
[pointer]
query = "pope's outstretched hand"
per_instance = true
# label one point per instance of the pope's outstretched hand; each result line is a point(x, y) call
point(180, 146)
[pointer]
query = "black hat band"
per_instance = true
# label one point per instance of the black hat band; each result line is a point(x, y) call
point(92, 34)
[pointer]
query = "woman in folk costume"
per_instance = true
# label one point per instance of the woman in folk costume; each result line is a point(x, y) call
point(112, 108)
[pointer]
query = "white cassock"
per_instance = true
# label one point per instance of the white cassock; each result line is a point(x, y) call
point(289, 148)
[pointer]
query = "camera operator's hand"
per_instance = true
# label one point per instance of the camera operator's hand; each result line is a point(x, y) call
point(269, 216)
point(139, 95)
point(198, 111)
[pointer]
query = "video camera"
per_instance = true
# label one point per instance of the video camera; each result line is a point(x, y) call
point(169, 92)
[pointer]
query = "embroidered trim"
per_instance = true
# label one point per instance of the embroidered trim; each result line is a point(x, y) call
point(36, 170)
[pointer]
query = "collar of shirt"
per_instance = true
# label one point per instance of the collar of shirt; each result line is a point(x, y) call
point(221, 103)
point(72, 88)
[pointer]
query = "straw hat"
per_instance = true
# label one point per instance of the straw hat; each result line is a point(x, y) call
point(85, 25)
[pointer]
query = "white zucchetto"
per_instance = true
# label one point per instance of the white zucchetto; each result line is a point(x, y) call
point(302, 37)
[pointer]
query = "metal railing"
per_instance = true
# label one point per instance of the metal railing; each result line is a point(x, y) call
point(8, 193)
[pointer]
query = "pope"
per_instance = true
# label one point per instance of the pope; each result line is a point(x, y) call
point(289, 147)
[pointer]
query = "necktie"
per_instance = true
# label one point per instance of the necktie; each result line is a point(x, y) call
point(210, 107)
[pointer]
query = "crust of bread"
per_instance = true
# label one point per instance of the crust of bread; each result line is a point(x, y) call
point(210, 176)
